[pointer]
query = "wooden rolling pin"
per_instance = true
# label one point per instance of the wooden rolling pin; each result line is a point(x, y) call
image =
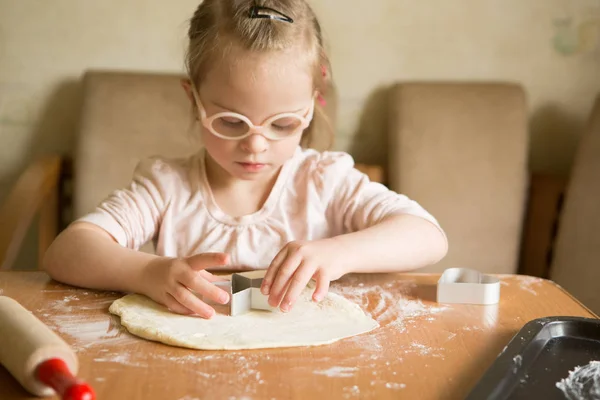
point(37, 357)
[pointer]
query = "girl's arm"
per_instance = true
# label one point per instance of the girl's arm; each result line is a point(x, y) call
point(87, 256)
point(397, 243)
point(382, 231)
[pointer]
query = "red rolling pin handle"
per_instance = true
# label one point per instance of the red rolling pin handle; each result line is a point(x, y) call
point(56, 374)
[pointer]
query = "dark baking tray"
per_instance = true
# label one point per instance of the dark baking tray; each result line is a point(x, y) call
point(538, 356)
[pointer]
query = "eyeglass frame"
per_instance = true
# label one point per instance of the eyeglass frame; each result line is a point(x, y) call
point(253, 129)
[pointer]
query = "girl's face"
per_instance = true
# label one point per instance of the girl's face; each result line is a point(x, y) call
point(257, 86)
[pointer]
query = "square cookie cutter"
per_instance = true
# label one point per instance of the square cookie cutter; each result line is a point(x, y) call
point(244, 289)
point(467, 286)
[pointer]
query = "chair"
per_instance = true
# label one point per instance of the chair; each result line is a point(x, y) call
point(125, 117)
point(576, 263)
point(460, 150)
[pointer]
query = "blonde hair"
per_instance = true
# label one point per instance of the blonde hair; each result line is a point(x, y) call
point(217, 25)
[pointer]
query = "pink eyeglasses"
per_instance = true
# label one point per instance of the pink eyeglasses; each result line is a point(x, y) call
point(234, 126)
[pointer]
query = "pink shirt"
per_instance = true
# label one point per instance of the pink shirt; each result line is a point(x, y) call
point(316, 195)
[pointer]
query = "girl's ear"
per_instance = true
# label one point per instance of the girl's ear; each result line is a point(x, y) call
point(186, 84)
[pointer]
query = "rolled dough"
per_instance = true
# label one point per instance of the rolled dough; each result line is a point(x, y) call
point(308, 324)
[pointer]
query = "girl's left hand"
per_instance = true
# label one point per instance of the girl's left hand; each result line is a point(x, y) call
point(296, 264)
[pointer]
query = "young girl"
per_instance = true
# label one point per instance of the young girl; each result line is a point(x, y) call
point(251, 197)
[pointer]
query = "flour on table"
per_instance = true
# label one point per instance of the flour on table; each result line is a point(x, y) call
point(308, 324)
point(85, 329)
point(582, 383)
point(525, 282)
point(393, 385)
point(351, 392)
point(529, 283)
point(392, 303)
point(339, 372)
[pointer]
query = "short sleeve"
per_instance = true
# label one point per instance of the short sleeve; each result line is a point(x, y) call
point(132, 215)
point(353, 202)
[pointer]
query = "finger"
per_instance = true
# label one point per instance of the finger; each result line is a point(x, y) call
point(190, 301)
point(297, 284)
point(284, 274)
point(210, 277)
point(198, 284)
point(173, 305)
point(265, 287)
point(207, 260)
point(322, 288)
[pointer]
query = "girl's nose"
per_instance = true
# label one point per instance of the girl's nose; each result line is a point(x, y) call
point(255, 143)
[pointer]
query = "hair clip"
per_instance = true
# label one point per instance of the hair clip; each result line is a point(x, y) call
point(267, 12)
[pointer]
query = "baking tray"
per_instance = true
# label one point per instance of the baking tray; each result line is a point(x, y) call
point(541, 354)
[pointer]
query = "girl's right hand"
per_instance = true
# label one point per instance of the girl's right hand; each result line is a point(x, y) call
point(171, 281)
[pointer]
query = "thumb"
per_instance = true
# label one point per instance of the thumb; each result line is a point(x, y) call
point(207, 260)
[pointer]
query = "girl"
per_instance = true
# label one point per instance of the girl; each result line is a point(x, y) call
point(252, 197)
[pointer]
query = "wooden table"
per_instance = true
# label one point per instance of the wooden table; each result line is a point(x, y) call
point(424, 350)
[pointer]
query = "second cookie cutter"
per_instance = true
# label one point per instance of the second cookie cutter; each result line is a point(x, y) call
point(467, 286)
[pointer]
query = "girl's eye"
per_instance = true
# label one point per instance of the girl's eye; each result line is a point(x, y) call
point(285, 124)
point(231, 121)
point(277, 126)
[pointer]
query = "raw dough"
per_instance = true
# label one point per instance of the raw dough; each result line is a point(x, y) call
point(308, 324)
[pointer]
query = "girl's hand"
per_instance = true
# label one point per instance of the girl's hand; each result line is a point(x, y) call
point(295, 265)
point(171, 281)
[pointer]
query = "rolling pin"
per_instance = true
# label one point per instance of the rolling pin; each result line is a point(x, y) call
point(37, 357)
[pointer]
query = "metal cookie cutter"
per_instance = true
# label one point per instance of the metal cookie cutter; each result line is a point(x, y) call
point(467, 286)
point(245, 293)
point(244, 288)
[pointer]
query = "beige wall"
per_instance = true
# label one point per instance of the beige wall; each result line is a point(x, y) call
point(45, 45)
point(550, 46)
